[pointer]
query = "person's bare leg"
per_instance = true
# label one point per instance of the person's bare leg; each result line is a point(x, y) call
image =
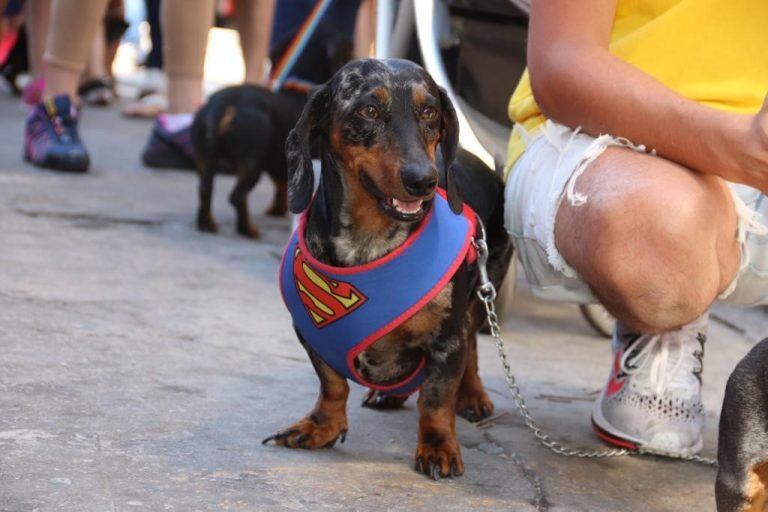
point(655, 241)
point(365, 29)
point(254, 24)
point(37, 15)
point(185, 36)
point(96, 58)
point(73, 24)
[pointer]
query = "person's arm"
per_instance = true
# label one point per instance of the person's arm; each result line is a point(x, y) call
point(578, 82)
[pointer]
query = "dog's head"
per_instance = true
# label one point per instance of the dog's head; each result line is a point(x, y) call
point(381, 121)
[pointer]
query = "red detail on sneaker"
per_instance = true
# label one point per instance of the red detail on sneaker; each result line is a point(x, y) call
point(611, 439)
point(614, 383)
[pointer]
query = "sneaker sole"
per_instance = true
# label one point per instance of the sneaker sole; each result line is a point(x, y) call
point(169, 159)
point(57, 165)
point(607, 433)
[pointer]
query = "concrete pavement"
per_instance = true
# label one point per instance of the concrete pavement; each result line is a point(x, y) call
point(141, 363)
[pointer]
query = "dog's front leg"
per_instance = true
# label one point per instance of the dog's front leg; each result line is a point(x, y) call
point(438, 453)
point(327, 422)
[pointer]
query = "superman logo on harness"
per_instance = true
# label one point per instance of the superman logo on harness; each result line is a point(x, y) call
point(326, 300)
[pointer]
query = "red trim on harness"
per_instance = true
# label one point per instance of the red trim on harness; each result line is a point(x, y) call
point(467, 253)
point(358, 268)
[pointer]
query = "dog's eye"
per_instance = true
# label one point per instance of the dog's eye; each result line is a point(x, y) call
point(369, 112)
point(429, 113)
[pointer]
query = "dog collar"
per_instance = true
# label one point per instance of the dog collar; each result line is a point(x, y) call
point(341, 311)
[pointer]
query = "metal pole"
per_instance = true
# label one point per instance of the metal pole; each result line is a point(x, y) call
point(433, 61)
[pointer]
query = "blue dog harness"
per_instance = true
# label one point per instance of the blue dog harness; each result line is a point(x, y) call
point(341, 311)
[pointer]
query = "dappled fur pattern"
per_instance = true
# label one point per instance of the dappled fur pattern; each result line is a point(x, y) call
point(386, 130)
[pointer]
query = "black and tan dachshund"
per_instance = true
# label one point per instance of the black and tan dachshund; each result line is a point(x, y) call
point(742, 454)
point(242, 130)
point(379, 125)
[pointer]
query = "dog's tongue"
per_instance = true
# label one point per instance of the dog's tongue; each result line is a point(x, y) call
point(407, 206)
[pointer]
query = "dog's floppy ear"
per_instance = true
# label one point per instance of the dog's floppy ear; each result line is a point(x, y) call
point(301, 177)
point(449, 140)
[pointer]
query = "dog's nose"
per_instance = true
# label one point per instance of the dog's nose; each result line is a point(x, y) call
point(419, 180)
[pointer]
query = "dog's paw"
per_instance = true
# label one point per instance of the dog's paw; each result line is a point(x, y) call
point(440, 460)
point(249, 231)
point(207, 225)
point(380, 400)
point(474, 406)
point(310, 435)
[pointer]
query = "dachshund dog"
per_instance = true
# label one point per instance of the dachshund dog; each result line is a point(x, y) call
point(387, 136)
point(242, 130)
point(742, 454)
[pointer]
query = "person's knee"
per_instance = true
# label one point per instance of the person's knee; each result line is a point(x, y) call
point(649, 253)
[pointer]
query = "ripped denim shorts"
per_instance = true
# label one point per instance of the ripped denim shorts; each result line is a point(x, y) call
point(547, 174)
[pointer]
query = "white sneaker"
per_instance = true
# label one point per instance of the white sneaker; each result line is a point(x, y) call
point(653, 396)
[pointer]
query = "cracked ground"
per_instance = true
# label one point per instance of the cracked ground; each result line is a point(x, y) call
point(141, 363)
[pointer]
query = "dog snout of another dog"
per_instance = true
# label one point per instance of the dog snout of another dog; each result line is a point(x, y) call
point(419, 180)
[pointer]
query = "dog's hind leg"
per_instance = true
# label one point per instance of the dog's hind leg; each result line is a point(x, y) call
point(327, 422)
point(247, 177)
point(205, 220)
point(279, 206)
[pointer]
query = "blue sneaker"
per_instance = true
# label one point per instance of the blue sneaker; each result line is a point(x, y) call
point(169, 150)
point(51, 139)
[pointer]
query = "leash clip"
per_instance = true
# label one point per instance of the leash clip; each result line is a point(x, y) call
point(485, 289)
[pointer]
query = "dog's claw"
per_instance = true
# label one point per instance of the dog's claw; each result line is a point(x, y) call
point(434, 470)
point(419, 465)
point(343, 436)
point(301, 441)
point(454, 469)
point(278, 437)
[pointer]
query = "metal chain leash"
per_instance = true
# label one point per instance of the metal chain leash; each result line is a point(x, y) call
point(486, 292)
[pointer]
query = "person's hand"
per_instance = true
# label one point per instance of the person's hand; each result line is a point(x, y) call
point(753, 168)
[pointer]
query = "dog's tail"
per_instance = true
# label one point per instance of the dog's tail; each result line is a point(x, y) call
point(246, 131)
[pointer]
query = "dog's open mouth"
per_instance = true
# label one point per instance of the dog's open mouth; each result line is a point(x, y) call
point(407, 211)
point(406, 207)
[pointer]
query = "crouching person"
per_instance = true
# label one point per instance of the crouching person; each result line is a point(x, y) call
point(637, 178)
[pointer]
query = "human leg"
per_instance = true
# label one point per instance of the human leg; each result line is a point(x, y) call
point(656, 242)
point(185, 25)
point(254, 24)
point(37, 15)
point(73, 25)
point(653, 395)
point(185, 31)
point(51, 135)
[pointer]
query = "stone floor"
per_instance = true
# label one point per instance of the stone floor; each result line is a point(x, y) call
point(142, 362)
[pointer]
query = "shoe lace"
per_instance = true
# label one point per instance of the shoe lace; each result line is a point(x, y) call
point(672, 360)
point(64, 126)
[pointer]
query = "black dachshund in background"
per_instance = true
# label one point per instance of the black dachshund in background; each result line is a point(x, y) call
point(742, 454)
point(242, 130)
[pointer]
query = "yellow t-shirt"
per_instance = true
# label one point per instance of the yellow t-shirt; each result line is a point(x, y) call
point(714, 52)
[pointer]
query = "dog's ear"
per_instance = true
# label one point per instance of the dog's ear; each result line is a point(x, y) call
point(449, 141)
point(301, 177)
